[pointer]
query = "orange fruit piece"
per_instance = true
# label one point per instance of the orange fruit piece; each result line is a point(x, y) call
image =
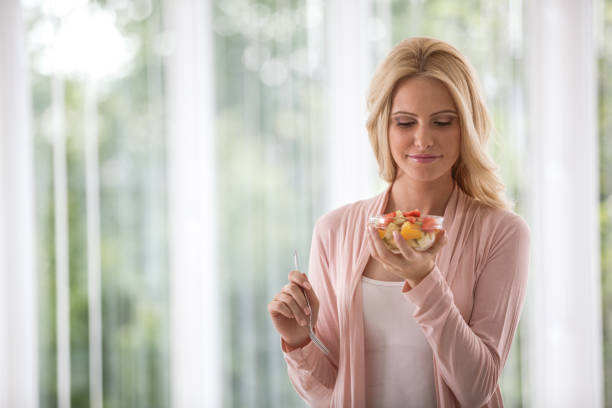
point(381, 232)
point(411, 231)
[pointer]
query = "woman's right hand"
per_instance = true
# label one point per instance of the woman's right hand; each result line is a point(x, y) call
point(289, 310)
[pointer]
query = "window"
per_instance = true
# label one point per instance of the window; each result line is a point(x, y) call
point(98, 107)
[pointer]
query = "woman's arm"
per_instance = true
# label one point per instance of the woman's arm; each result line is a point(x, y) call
point(313, 374)
point(471, 356)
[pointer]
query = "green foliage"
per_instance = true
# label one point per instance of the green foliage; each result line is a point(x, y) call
point(605, 177)
point(269, 143)
point(133, 235)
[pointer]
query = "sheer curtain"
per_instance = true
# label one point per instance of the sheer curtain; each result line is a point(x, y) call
point(290, 88)
point(97, 85)
point(563, 311)
point(194, 279)
point(18, 315)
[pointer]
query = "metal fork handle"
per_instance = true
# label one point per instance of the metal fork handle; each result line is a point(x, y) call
point(311, 332)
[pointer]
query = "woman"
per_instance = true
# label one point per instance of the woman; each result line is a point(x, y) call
point(417, 328)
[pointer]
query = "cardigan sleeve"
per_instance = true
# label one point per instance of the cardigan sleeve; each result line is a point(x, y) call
point(471, 355)
point(313, 374)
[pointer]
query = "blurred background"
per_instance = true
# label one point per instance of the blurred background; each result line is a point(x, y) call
point(160, 160)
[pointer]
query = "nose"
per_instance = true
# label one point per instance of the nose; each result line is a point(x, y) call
point(422, 139)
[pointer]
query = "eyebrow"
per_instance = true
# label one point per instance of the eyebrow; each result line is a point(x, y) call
point(433, 114)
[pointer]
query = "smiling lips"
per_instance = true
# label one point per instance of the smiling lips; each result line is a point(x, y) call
point(423, 158)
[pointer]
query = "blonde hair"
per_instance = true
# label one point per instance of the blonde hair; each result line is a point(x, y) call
point(475, 172)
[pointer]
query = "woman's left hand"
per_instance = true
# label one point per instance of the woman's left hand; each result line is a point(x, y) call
point(409, 264)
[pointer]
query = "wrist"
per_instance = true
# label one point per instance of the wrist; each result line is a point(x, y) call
point(415, 281)
point(294, 344)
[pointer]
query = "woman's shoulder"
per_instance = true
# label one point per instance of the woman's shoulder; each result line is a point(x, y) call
point(497, 220)
point(493, 231)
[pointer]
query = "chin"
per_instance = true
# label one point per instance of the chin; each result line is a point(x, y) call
point(424, 178)
point(425, 175)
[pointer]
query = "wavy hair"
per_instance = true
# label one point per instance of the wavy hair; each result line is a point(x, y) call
point(475, 172)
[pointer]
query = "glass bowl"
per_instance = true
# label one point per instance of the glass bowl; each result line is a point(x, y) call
point(419, 230)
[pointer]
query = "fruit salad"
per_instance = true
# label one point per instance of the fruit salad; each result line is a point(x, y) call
point(419, 231)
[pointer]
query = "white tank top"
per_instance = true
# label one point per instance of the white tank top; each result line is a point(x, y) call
point(398, 359)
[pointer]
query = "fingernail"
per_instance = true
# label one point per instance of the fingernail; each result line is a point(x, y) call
point(307, 285)
point(307, 311)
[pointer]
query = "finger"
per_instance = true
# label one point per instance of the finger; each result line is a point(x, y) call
point(299, 278)
point(383, 250)
point(405, 249)
point(278, 307)
point(298, 295)
point(439, 242)
point(377, 242)
point(293, 307)
point(302, 280)
point(380, 252)
point(288, 300)
point(314, 300)
point(389, 260)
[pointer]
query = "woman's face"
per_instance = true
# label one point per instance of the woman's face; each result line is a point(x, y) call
point(424, 132)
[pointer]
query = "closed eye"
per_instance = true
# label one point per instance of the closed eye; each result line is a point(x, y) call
point(405, 124)
point(443, 123)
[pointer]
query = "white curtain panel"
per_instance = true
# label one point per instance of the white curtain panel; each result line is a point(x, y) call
point(18, 317)
point(351, 45)
point(194, 314)
point(562, 357)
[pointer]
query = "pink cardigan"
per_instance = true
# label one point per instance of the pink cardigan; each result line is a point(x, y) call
point(468, 306)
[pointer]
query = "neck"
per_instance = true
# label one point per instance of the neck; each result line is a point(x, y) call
point(430, 197)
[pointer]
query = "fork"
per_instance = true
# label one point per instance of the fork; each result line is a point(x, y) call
point(311, 332)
